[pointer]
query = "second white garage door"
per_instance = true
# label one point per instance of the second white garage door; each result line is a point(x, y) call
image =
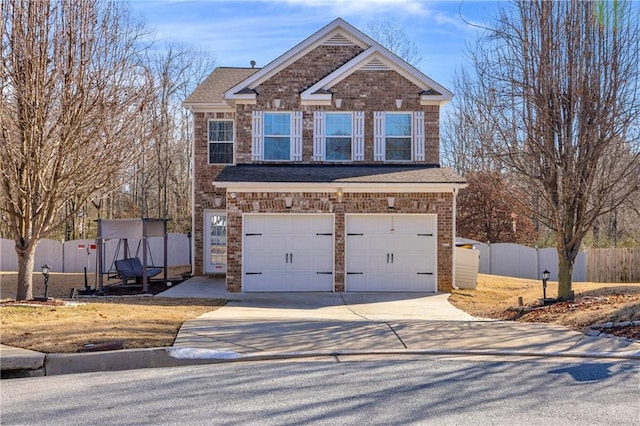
point(391, 252)
point(287, 252)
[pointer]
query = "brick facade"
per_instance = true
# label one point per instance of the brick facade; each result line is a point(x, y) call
point(326, 202)
point(363, 90)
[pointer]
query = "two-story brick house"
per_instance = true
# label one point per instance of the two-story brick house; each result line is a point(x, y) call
point(320, 172)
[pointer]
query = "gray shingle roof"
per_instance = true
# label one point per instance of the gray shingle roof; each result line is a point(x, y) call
point(322, 173)
point(212, 89)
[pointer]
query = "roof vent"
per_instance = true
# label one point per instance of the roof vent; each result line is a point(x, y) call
point(253, 63)
point(338, 40)
point(375, 65)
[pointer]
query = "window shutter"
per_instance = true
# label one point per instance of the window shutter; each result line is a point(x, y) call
point(378, 136)
point(257, 141)
point(296, 136)
point(418, 136)
point(319, 124)
point(358, 136)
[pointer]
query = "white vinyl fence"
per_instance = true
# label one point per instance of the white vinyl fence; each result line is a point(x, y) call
point(74, 256)
point(515, 260)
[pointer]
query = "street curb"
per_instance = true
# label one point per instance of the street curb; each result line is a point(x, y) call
point(124, 359)
point(129, 359)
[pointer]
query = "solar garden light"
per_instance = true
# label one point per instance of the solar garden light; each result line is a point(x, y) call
point(45, 273)
point(545, 277)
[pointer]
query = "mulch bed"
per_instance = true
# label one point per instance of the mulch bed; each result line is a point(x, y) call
point(630, 331)
point(155, 287)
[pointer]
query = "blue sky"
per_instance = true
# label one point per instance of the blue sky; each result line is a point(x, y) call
point(238, 31)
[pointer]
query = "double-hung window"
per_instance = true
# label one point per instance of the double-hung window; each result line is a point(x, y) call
point(397, 136)
point(338, 136)
point(277, 136)
point(339, 132)
point(220, 141)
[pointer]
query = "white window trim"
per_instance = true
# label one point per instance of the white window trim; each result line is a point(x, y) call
point(417, 136)
point(232, 141)
point(320, 136)
point(206, 258)
point(339, 137)
point(258, 136)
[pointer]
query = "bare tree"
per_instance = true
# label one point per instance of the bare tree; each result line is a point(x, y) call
point(489, 211)
point(561, 81)
point(466, 139)
point(70, 91)
point(392, 36)
point(173, 71)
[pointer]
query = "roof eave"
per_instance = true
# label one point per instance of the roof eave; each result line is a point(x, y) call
point(299, 50)
point(207, 106)
point(345, 186)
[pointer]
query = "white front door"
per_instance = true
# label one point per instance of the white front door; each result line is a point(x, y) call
point(391, 252)
point(287, 252)
point(215, 241)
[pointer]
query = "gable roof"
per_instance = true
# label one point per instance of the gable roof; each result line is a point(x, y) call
point(211, 91)
point(378, 58)
point(339, 32)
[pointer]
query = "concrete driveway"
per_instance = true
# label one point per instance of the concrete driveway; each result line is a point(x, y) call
point(256, 323)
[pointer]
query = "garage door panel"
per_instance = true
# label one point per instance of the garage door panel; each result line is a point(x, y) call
point(368, 242)
point(281, 281)
point(391, 252)
point(292, 253)
point(368, 261)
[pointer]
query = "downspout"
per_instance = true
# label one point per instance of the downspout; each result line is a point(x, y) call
point(192, 240)
point(453, 248)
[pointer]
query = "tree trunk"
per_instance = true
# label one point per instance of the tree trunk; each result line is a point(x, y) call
point(26, 260)
point(565, 271)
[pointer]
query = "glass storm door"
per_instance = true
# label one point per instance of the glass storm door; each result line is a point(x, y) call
point(215, 242)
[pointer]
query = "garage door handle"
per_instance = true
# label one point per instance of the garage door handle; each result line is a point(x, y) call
point(425, 235)
point(425, 273)
point(350, 235)
point(327, 233)
point(251, 235)
point(253, 273)
point(324, 273)
point(391, 257)
point(355, 273)
point(387, 257)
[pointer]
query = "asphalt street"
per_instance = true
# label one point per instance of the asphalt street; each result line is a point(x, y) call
point(425, 390)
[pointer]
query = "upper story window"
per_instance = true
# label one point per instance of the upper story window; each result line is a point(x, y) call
point(220, 141)
point(339, 132)
point(397, 134)
point(277, 136)
point(338, 136)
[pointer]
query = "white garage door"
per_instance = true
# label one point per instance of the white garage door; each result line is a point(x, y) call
point(391, 252)
point(285, 252)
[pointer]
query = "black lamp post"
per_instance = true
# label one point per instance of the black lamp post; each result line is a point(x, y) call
point(545, 277)
point(45, 272)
